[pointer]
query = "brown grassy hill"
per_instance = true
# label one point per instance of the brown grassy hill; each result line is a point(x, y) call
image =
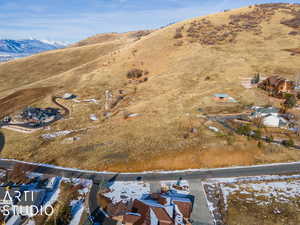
point(181, 66)
point(112, 37)
point(40, 67)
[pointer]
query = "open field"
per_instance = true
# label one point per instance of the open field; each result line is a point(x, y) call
point(181, 73)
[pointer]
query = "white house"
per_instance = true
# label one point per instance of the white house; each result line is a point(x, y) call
point(274, 121)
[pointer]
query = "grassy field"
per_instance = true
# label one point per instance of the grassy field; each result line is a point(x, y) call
point(182, 75)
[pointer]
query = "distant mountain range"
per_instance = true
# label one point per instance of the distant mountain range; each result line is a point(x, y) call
point(12, 49)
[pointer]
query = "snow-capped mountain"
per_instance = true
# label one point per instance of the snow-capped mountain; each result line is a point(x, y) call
point(12, 49)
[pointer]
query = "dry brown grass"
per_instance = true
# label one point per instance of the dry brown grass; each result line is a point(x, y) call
point(160, 137)
point(113, 37)
point(251, 214)
point(21, 99)
point(242, 211)
point(43, 66)
point(294, 51)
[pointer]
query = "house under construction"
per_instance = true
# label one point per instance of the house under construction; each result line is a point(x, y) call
point(277, 86)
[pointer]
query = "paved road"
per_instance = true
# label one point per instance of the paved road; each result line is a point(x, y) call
point(193, 176)
point(284, 168)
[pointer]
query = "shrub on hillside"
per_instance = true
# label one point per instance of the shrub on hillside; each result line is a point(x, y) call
point(18, 175)
point(288, 143)
point(135, 73)
point(269, 139)
point(178, 33)
point(141, 33)
point(179, 43)
point(290, 101)
point(62, 215)
point(294, 33)
point(294, 23)
point(244, 130)
point(256, 134)
point(260, 144)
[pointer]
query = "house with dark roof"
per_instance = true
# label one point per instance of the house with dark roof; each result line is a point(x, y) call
point(160, 209)
point(38, 114)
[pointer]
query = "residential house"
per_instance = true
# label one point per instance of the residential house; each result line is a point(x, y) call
point(274, 121)
point(39, 115)
point(264, 111)
point(270, 116)
point(277, 86)
point(160, 209)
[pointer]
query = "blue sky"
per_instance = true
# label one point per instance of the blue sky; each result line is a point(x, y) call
point(73, 20)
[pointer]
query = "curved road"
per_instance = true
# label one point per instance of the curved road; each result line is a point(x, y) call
point(67, 111)
point(191, 175)
point(97, 177)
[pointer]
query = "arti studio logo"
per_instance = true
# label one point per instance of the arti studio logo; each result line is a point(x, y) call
point(24, 203)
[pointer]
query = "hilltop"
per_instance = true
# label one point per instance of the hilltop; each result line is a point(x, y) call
point(166, 79)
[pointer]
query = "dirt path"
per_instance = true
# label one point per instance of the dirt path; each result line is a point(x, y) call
point(66, 110)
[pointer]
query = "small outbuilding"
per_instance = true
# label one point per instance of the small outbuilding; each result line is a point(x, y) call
point(93, 117)
point(224, 98)
point(69, 96)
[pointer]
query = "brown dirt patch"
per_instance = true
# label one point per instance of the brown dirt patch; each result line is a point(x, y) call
point(294, 51)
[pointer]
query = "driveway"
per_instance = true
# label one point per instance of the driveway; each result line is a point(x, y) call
point(201, 214)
